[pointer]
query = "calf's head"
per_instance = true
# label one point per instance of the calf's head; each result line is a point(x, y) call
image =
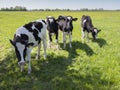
point(95, 31)
point(52, 24)
point(20, 45)
point(67, 19)
point(66, 22)
point(70, 19)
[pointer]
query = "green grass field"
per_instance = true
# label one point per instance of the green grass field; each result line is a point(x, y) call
point(86, 66)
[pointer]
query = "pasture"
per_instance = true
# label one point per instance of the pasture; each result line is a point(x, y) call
point(93, 65)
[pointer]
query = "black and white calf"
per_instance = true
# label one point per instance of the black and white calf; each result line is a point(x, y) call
point(52, 28)
point(66, 26)
point(87, 26)
point(27, 37)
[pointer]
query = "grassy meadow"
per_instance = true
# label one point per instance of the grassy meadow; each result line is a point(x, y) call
point(94, 65)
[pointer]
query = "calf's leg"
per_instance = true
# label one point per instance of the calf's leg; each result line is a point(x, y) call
point(38, 52)
point(70, 39)
point(64, 40)
point(57, 40)
point(28, 58)
point(50, 40)
point(44, 46)
point(83, 35)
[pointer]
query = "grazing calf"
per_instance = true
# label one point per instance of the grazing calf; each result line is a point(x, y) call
point(27, 37)
point(87, 26)
point(52, 28)
point(66, 26)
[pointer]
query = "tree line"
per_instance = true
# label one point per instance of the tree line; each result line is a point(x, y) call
point(16, 8)
point(22, 8)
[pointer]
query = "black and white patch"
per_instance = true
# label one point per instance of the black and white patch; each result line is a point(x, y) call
point(66, 26)
point(52, 28)
point(27, 37)
point(87, 26)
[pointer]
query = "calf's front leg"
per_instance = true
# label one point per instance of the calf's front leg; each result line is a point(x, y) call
point(28, 58)
point(70, 39)
point(83, 35)
point(57, 40)
point(64, 40)
point(38, 52)
point(44, 46)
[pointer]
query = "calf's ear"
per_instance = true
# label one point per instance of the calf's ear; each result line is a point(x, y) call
point(12, 42)
point(99, 30)
point(75, 19)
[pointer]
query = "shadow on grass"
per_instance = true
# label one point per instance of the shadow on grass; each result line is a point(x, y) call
point(51, 74)
point(78, 45)
point(43, 76)
point(101, 42)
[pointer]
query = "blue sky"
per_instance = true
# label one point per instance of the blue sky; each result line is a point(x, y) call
point(62, 4)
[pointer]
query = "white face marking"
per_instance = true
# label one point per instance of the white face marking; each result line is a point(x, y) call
point(20, 48)
point(95, 30)
point(51, 20)
point(69, 18)
point(49, 16)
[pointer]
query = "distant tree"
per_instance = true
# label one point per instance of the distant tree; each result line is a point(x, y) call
point(12, 8)
point(84, 9)
point(47, 9)
point(68, 10)
point(20, 8)
point(101, 9)
point(16, 8)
